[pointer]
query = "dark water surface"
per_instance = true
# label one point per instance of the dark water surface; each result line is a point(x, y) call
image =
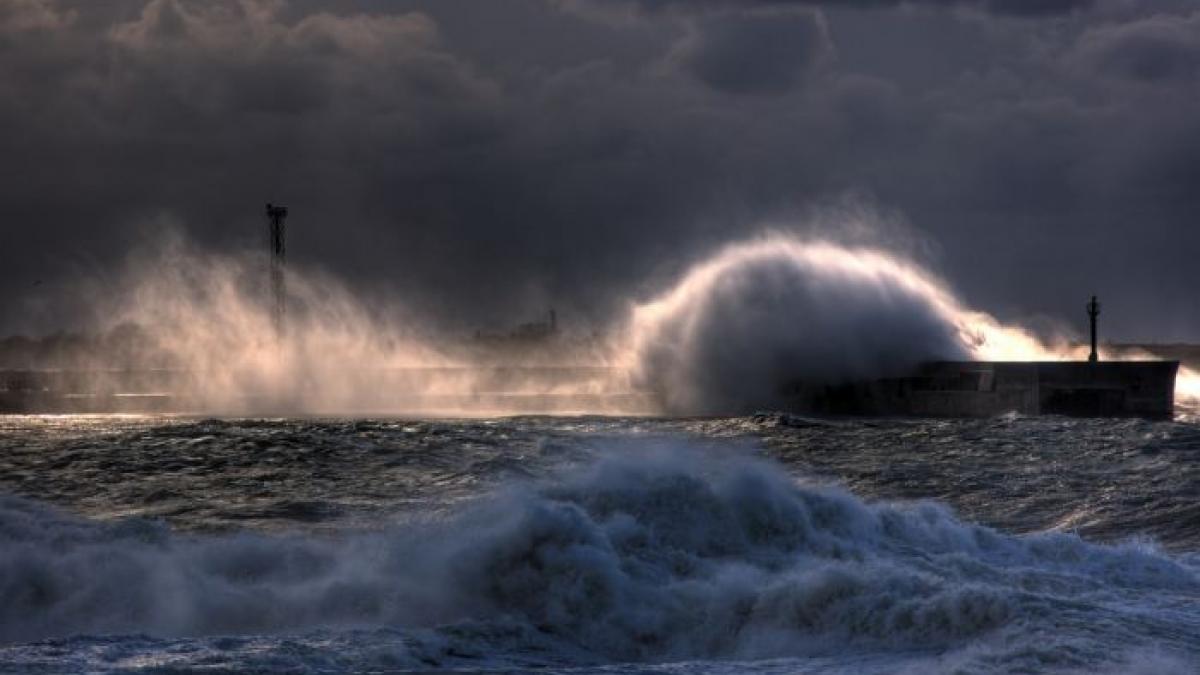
point(768, 543)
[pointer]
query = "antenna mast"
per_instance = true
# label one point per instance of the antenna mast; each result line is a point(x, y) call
point(276, 215)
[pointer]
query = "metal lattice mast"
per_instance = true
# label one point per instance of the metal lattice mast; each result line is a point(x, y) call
point(275, 219)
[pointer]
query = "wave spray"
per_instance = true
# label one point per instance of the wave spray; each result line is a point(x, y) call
point(740, 326)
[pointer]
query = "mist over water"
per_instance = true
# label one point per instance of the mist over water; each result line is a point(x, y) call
point(209, 319)
point(210, 316)
point(730, 335)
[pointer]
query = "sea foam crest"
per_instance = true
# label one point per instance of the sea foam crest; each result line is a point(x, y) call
point(653, 555)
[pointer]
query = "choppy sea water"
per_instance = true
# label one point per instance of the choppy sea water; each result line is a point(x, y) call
point(764, 544)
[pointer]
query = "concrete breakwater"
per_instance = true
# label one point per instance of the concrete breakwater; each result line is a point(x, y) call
point(986, 388)
point(936, 389)
point(433, 390)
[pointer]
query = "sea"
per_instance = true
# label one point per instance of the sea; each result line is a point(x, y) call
point(767, 543)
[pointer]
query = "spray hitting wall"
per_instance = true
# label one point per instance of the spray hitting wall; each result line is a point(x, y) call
point(216, 322)
point(209, 315)
point(733, 329)
point(739, 327)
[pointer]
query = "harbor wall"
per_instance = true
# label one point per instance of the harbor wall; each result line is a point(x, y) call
point(433, 390)
point(936, 389)
point(986, 388)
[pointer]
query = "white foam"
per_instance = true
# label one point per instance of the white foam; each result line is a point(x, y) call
point(662, 554)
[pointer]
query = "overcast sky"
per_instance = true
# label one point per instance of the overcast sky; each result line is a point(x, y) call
point(486, 159)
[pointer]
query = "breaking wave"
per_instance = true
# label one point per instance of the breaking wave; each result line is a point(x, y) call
point(742, 327)
point(667, 554)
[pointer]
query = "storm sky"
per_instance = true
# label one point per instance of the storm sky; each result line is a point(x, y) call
point(483, 160)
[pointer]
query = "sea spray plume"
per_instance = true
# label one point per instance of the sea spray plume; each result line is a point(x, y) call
point(207, 316)
point(759, 316)
point(756, 317)
point(658, 552)
point(1187, 387)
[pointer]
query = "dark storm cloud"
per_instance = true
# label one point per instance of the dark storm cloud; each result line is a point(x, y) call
point(755, 53)
point(1001, 7)
point(1160, 47)
point(487, 160)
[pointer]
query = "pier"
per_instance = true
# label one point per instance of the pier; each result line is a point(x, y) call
point(988, 388)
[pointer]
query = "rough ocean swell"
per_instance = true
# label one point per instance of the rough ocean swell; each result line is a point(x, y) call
point(603, 545)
